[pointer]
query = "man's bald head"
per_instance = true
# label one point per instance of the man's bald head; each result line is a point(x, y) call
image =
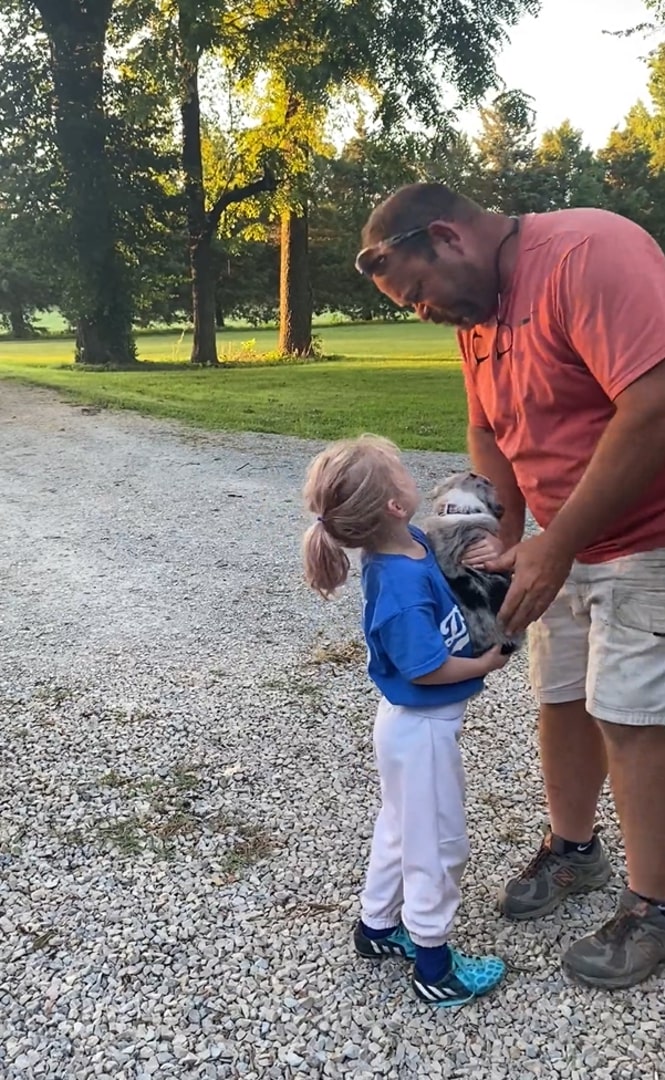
point(416, 206)
point(428, 248)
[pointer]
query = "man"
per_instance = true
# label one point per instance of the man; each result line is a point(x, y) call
point(561, 325)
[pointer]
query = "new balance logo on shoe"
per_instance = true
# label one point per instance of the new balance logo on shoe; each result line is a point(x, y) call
point(564, 876)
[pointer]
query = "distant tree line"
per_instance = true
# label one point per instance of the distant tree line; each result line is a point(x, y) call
point(171, 162)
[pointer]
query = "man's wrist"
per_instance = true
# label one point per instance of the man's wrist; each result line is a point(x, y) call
point(510, 536)
point(561, 539)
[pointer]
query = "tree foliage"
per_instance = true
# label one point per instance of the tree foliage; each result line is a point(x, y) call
point(181, 159)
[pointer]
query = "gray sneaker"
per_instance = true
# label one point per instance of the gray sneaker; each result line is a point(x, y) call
point(551, 876)
point(627, 950)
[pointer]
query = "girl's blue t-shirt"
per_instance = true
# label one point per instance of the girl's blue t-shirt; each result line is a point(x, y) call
point(412, 625)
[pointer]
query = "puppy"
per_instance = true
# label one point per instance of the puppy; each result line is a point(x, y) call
point(466, 507)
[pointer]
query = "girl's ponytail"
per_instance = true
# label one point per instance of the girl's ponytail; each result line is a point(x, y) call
point(325, 560)
point(348, 486)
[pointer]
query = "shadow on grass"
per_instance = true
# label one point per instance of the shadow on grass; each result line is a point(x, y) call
point(153, 366)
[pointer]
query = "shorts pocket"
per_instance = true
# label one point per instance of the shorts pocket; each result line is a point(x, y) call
point(640, 610)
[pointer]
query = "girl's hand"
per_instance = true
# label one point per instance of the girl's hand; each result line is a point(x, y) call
point(494, 659)
point(483, 551)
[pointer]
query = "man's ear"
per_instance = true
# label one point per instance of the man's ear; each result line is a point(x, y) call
point(445, 233)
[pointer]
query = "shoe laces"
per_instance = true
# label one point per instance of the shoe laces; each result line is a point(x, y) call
point(542, 856)
point(618, 928)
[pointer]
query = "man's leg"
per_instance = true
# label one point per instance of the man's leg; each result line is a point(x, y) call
point(626, 691)
point(574, 764)
point(631, 946)
point(637, 774)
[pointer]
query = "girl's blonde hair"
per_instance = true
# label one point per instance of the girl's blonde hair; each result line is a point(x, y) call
point(348, 486)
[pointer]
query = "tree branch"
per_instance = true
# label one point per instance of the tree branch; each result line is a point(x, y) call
point(267, 182)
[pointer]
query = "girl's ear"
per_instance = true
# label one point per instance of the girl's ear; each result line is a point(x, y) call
point(395, 509)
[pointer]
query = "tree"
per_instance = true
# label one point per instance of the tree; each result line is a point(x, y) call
point(34, 195)
point(567, 170)
point(249, 282)
point(506, 149)
point(169, 55)
point(31, 234)
point(634, 158)
point(407, 56)
point(28, 282)
point(202, 221)
point(289, 131)
point(348, 186)
point(98, 288)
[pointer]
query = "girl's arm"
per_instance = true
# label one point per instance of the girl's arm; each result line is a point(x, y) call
point(460, 668)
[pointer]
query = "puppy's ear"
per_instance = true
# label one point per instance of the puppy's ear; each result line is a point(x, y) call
point(439, 489)
point(445, 485)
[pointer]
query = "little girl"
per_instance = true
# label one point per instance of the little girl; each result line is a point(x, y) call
point(419, 657)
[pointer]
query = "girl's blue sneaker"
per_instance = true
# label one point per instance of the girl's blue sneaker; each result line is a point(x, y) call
point(469, 977)
point(397, 943)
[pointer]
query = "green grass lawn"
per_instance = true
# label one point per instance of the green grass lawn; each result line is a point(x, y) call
point(403, 381)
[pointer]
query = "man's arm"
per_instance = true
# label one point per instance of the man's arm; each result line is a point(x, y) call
point(487, 459)
point(611, 307)
point(629, 456)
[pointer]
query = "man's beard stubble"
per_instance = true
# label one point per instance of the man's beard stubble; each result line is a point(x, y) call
point(466, 314)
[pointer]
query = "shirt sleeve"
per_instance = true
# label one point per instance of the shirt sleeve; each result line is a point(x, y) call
point(476, 414)
point(612, 305)
point(413, 642)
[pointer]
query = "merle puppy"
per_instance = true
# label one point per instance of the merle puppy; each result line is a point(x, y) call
point(466, 508)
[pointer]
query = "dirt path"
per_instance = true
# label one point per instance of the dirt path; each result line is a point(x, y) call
point(187, 789)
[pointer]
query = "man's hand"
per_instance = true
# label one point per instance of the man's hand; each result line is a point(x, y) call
point(539, 568)
point(483, 551)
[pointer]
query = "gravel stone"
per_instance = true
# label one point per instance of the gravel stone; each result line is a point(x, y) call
point(187, 790)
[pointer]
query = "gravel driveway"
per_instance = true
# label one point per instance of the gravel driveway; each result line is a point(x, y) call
point(188, 791)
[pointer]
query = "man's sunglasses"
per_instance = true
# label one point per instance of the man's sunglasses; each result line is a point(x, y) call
point(371, 260)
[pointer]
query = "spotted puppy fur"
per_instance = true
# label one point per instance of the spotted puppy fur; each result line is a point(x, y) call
point(466, 508)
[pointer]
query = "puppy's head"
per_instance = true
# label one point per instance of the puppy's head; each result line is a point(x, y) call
point(466, 493)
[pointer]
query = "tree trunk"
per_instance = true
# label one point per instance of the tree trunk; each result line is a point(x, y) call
point(219, 313)
point(99, 293)
point(202, 224)
point(204, 347)
point(19, 327)
point(295, 301)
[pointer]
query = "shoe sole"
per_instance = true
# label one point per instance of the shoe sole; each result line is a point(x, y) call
point(621, 982)
point(458, 1004)
point(552, 905)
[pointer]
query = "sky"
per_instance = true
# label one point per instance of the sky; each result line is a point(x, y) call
point(573, 70)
